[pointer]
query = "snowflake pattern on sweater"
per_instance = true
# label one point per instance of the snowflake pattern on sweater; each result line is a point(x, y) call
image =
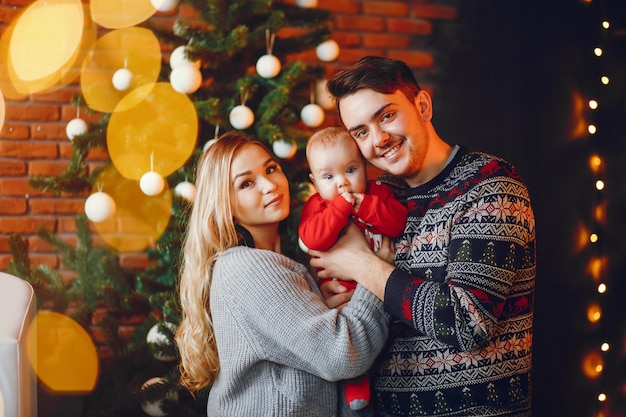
point(462, 295)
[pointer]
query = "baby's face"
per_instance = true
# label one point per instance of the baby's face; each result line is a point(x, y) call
point(337, 169)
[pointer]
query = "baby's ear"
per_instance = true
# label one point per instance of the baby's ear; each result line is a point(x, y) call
point(312, 178)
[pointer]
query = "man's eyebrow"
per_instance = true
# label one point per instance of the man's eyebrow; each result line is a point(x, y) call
point(376, 114)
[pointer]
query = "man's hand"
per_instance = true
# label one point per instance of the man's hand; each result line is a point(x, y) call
point(335, 294)
point(352, 259)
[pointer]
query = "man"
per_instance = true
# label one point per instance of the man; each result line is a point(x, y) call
point(462, 284)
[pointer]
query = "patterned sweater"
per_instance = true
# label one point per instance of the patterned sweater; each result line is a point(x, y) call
point(461, 295)
point(280, 346)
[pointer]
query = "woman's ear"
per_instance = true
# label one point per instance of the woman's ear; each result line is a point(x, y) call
point(424, 104)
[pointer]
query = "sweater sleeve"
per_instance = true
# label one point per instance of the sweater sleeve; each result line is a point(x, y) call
point(285, 320)
point(382, 210)
point(322, 221)
point(490, 250)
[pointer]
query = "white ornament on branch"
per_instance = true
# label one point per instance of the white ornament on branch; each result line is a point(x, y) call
point(306, 3)
point(179, 57)
point(186, 78)
point(156, 337)
point(75, 127)
point(323, 97)
point(99, 207)
point(164, 5)
point(241, 117)
point(186, 190)
point(284, 149)
point(312, 115)
point(121, 79)
point(151, 183)
point(154, 408)
point(328, 50)
point(268, 66)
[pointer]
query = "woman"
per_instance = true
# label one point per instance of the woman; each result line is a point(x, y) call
point(254, 324)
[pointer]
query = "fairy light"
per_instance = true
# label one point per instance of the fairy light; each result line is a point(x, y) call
point(592, 129)
point(597, 51)
point(593, 104)
point(599, 185)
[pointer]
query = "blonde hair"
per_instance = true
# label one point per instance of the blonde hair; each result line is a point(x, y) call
point(328, 137)
point(210, 231)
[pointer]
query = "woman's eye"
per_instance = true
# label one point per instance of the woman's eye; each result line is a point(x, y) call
point(271, 168)
point(245, 184)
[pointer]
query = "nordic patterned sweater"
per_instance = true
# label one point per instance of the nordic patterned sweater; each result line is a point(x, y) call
point(461, 295)
point(280, 346)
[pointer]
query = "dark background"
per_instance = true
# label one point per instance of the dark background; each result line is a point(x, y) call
point(508, 87)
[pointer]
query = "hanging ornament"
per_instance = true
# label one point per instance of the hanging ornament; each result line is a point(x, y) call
point(121, 79)
point(241, 116)
point(151, 183)
point(75, 127)
point(312, 115)
point(156, 337)
point(268, 66)
point(306, 3)
point(154, 408)
point(186, 78)
point(323, 97)
point(179, 57)
point(210, 142)
point(186, 190)
point(164, 5)
point(99, 207)
point(328, 50)
point(284, 149)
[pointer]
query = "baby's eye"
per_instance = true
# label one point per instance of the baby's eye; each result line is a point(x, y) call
point(328, 177)
point(350, 170)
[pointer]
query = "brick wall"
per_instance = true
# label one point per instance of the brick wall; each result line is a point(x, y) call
point(33, 140)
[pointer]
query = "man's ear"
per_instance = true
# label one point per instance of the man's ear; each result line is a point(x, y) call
point(424, 104)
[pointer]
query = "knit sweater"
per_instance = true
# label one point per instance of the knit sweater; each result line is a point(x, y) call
point(461, 295)
point(280, 346)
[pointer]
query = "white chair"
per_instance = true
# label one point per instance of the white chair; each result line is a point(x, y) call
point(18, 382)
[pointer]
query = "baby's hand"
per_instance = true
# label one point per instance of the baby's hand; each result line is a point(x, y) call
point(358, 199)
point(348, 197)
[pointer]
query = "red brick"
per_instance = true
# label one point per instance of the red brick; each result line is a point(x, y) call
point(61, 95)
point(49, 131)
point(414, 26)
point(69, 112)
point(46, 168)
point(349, 55)
point(380, 40)
point(17, 187)
point(56, 206)
point(360, 23)
point(25, 224)
point(347, 39)
point(434, 11)
point(36, 244)
point(13, 206)
point(15, 131)
point(414, 59)
point(134, 260)
point(12, 168)
point(29, 111)
point(339, 7)
point(28, 149)
point(385, 8)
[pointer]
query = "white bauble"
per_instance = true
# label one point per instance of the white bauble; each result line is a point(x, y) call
point(268, 66)
point(121, 79)
point(99, 207)
point(186, 190)
point(75, 127)
point(178, 57)
point(284, 149)
point(327, 51)
point(208, 144)
point(154, 409)
point(241, 117)
point(323, 97)
point(312, 115)
point(306, 3)
point(155, 336)
point(164, 5)
point(151, 183)
point(186, 78)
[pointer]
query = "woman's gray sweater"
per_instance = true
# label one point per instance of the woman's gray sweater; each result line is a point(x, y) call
point(279, 345)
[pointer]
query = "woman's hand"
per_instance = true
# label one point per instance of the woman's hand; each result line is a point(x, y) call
point(335, 294)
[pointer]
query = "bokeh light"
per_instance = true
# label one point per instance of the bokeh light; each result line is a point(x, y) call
point(158, 134)
point(139, 220)
point(47, 43)
point(117, 14)
point(593, 364)
point(136, 49)
point(594, 312)
point(62, 353)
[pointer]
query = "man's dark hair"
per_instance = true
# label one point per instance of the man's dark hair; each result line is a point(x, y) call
point(383, 75)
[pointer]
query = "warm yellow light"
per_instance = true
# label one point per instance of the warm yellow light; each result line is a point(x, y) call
point(592, 364)
point(595, 162)
point(592, 129)
point(605, 347)
point(599, 185)
point(602, 397)
point(597, 51)
point(593, 238)
point(604, 80)
point(602, 288)
point(593, 104)
point(596, 266)
point(599, 212)
point(605, 24)
point(594, 313)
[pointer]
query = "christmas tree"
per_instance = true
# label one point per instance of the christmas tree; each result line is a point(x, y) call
point(231, 66)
